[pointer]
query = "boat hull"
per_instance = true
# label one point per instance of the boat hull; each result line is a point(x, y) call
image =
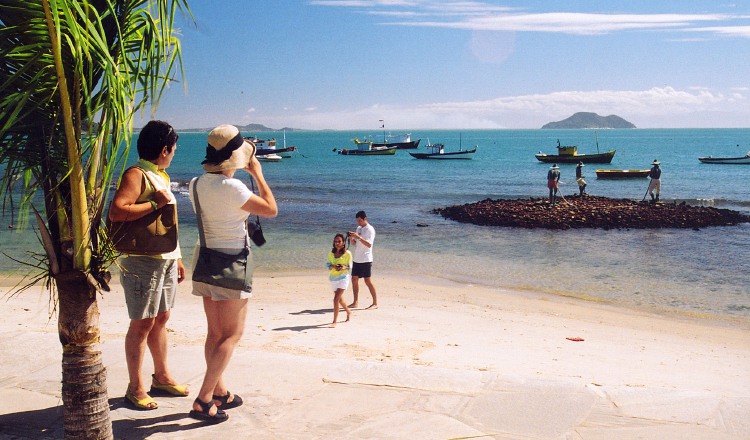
point(621, 174)
point(744, 160)
point(605, 157)
point(399, 145)
point(269, 157)
point(274, 150)
point(465, 154)
point(372, 152)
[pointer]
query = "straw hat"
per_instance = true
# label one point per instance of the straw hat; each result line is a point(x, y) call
point(580, 164)
point(227, 149)
point(554, 167)
point(655, 162)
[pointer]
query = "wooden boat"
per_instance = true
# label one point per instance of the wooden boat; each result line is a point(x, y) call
point(268, 146)
point(569, 154)
point(437, 151)
point(366, 149)
point(401, 141)
point(743, 160)
point(621, 174)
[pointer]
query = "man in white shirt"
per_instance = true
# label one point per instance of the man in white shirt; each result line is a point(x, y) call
point(361, 242)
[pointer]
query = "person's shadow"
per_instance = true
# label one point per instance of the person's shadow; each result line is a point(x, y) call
point(312, 312)
point(143, 428)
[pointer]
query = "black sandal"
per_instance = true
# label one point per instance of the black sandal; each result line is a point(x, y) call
point(204, 414)
point(225, 404)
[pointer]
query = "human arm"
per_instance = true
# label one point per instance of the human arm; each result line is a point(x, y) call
point(265, 204)
point(366, 241)
point(132, 185)
point(180, 271)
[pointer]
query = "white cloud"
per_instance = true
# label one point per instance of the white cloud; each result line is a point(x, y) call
point(655, 107)
point(485, 16)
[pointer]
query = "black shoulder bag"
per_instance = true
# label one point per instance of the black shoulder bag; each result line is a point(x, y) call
point(220, 269)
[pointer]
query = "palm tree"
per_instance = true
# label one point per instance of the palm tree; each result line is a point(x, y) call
point(72, 75)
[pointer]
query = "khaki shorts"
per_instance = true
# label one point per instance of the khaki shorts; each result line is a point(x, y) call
point(150, 285)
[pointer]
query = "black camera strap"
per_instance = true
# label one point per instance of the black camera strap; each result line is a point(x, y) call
point(252, 188)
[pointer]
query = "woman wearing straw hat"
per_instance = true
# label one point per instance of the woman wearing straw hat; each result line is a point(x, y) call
point(553, 182)
point(224, 203)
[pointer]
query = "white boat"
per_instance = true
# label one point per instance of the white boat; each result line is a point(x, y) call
point(265, 147)
point(272, 157)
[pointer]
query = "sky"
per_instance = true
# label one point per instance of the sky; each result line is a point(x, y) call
point(433, 64)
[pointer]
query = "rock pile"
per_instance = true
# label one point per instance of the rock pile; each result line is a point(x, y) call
point(590, 212)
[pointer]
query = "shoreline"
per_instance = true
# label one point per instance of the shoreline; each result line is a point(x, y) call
point(437, 359)
point(9, 281)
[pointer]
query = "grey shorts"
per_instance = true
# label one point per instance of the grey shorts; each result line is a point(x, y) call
point(150, 285)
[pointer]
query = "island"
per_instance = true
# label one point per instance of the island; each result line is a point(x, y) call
point(590, 120)
point(590, 212)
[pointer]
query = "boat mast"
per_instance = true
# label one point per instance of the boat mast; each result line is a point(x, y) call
point(596, 136)
point(382, 125)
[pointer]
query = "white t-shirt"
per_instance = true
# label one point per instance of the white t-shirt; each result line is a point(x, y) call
point(223, 218)
point(362, 253)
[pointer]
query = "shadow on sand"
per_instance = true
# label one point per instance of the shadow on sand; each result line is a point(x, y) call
point(47, 423)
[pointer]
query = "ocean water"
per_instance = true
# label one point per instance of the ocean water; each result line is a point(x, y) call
point(701, 272)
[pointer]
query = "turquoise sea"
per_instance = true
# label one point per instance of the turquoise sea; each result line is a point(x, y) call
point(701, 272)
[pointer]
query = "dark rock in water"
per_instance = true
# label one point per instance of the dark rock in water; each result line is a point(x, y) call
point(422, 225)
point(590, 212)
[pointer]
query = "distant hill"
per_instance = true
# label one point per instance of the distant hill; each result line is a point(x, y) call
point(590, 120)
point(248, 127)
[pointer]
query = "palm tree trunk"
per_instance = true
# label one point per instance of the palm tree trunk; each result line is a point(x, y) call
point(84, 377)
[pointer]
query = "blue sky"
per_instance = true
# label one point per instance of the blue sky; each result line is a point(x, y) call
point(421, 64)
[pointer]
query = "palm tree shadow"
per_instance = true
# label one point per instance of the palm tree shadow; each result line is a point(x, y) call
point(38, 423)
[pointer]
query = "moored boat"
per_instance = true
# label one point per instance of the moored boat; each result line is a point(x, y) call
point(268, 146)
point(365, 148)
point(271, 157)
point(742, 160)
point(437, 151)
point(620, 174)
point(401, 141)
point(569, 154)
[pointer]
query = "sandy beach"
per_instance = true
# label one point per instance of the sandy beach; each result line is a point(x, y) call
point(436, 360)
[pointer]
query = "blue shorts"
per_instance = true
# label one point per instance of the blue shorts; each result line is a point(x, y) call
point(362, 270)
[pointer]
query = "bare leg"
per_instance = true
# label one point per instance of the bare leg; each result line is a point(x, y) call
point(135, 346)
point(355, 290)
point(346, 309)
point(339, 300)
point(226, 323)
point(373, 293)
point(157, 345)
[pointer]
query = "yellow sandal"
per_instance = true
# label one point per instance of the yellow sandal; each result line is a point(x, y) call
point(146, 404)
point(158, 388)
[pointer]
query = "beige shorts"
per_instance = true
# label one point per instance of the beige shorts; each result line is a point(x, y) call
point(217, 293)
